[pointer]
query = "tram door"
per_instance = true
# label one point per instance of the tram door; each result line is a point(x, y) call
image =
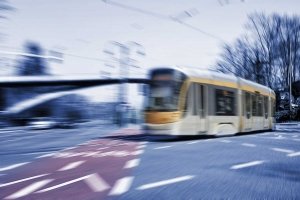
point(248, 112)
point(201, 106)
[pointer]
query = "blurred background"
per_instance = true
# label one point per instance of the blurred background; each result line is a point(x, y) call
point(65, 140)
point(251, 39)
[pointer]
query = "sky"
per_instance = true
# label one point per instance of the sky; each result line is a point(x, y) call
point(83, 29)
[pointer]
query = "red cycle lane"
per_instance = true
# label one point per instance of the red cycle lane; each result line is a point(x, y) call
point(94, 170)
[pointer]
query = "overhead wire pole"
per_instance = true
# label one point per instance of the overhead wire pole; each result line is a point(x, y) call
point(124, 64)
point(290, 79)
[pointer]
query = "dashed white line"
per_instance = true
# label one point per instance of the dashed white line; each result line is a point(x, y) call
point(294, 154)
point(62, 184)
point(248, 145)
point(141, 146)
point(145, 142)
point(121, 186)
point(69, 148)
point(121, 153)
point(282, 150)
point(29, 189)
point(96, 183)
point(93, 180)
point(22, 180)
point(71, 165)
point(207, 140)
point(101, 148)
point(165, 182)
point(279, 137)
point(13, 166)
point(225, 141)
point(92, 153)
point(248, 164)
point(46, 155)
point(132, 163)
point(163, 147)
point(138, 152)
point(194, 142)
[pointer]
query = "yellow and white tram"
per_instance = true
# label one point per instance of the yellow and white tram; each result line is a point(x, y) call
point(184, 101)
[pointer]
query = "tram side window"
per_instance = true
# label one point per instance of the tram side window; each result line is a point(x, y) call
point(266, 103)
point(254, 105)
point(225, 102)
point(248, 104)
point(259, 105)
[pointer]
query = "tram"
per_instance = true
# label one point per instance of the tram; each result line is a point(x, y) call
point(184, 101)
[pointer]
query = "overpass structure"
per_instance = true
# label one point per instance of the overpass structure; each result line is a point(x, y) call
point(70, 85)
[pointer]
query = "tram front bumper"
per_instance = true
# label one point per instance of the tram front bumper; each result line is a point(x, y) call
point(160, 129)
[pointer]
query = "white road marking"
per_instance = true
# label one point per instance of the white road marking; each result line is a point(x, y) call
point(165, 182)
point(248, 145)
point(138, 152)
point(282, 150)
point(194, 142)
point(101, 148)
point(121, 153)
point(141, 146)
point(69, 148)
point(163, 147)
point(29, 189)
point(132, 163)
point(294, 136)
point(225, 141)
point(294, 154)
point(297, 140)
point(71, 165)
point(90, 154)
point(109, 153)
point(279, 138)
point(96, 183)
point(13, 166)
point(248, 164)
point(22, 180)
point(143, 142)
point(121, 186)
point(46, 155)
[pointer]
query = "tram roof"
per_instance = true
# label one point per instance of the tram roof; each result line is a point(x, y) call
point(217, 78)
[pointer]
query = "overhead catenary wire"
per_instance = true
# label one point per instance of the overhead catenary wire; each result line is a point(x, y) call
point(161, 16)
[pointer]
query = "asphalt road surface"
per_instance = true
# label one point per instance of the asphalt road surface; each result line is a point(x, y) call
point(100, 162)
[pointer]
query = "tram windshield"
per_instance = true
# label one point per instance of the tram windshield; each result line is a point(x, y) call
point(164, 90)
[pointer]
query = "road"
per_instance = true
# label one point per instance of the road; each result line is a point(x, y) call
point(101, 162)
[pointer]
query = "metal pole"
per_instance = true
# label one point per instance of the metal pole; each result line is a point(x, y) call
point(290, 80)
point(124, 71)
point(124, 74)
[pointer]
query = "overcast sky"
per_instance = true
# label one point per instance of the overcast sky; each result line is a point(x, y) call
point(85, 27)
point(82, 29)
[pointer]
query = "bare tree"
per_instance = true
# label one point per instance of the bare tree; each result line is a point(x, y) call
point(269, 48)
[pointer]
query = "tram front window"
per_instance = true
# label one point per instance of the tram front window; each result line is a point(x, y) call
point(162, 97)
point(164, 90)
